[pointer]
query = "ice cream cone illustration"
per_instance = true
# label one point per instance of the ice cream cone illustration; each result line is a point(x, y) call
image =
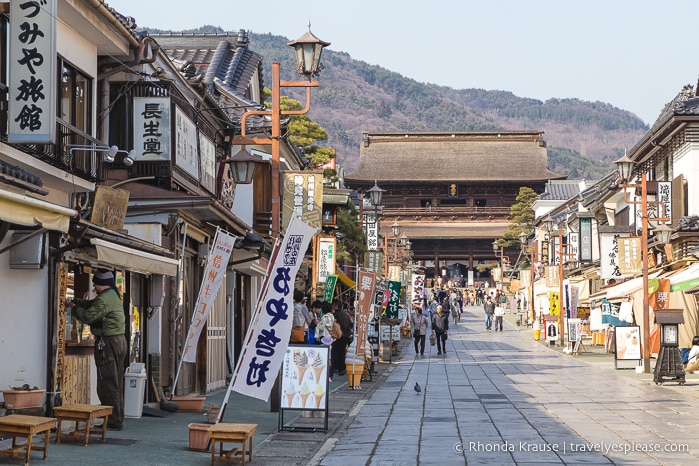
point(318, 367)
point(305, 391)
point(290, 393)
point(318, 394)
point(289, 398)
point(301, 361)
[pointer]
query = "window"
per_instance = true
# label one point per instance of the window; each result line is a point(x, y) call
point(74, 97)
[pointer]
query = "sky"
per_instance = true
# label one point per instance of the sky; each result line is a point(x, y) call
point(633, 54)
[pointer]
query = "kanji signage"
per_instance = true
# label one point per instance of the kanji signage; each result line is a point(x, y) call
point(32, 71)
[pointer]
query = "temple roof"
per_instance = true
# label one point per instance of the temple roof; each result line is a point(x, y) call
point(517, 156)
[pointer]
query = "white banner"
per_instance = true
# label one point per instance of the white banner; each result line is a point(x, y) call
point(213, 276)
point(326, 258)
point(31, 116)
point(609, 255)
point(267, 342)
point(418, 284)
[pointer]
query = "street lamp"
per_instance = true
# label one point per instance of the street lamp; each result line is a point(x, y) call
point(549, 224)
point(308, 51)
point(625, 168)
point(496, 248)
point(522, 239)
point(243, 166)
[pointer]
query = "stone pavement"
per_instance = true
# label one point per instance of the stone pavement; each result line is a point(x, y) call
point(502, 398)
point(495, 397)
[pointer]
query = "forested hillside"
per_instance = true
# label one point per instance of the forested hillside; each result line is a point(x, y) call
point(583, 138)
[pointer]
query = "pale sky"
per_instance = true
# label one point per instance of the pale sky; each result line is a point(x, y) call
point(633, 54)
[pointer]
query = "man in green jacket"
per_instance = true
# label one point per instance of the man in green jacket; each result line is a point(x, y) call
point(105, 316)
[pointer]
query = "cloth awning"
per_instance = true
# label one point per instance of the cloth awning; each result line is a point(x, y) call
point(27, 211)
point(686, 278)
point(345, 279)
point(133, 259)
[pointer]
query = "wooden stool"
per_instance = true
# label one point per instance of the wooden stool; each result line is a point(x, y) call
point(82, 413)
point(22, 426)
point(230, 432)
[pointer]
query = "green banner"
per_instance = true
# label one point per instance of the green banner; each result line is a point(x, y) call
point(329, 292)
point(393, 299)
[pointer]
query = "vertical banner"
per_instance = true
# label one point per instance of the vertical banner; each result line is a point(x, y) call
point(585, 239)
point(665, 199)
point(268, 340)
point(393, 299)
point(32, 69)
point(554, 302)
point(418, 292)
point(630, 257)
point(214, 274)
point(366, 287)
point(573, 292)
point(329, 290)
point(326, 258)
point(302, 194)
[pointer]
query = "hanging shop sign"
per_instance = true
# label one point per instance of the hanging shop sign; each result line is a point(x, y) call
point(32, 68)
point(302, 194)
point(326, 258)
point(151, 128)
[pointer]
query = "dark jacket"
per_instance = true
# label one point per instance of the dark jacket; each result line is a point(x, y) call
point(489, 307)
point(440, 324)
point(343, 318)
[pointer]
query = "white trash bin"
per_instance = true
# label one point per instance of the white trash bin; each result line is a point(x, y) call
point(134, 388)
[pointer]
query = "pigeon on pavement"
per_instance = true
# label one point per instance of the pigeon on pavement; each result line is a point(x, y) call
point(417, 388)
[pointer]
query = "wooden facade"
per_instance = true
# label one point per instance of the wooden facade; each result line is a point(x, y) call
point(451, 193)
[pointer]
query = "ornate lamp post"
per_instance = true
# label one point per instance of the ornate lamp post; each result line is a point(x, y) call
point(496, 249)
point(522, 241)
point(308, 51)
point(625, 167)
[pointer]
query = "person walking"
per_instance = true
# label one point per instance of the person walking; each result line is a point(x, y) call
point(302, 319)
point(440, 326)
point(489, 308)
point(419, 324)
point(499, 313)
point(105, 316)
point(340, 345)
point(454, 305)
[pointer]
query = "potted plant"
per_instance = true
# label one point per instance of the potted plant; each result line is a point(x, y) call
point(212, 413)
point(24, 396)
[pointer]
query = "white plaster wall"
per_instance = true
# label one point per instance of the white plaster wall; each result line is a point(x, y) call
point(23, 340)
point(686, 162)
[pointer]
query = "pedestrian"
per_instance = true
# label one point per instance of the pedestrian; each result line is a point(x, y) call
point(419, 324)
point(499, 313)
point(105, 316)
point(489, 308)
point(454, 305)
point(302, 319)
point(340, 345)
point(693, 359)
point(440, 326)
point(316, 314)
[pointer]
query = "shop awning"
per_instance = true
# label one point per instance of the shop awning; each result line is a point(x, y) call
point(133, 259)
point(345, 279)
point(685, 279)
point(27, 211)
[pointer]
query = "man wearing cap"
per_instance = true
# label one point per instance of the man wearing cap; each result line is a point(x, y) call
point(105, 316)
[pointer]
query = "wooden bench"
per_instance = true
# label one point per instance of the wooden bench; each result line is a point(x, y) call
point(82, 413)
point(227, 432)
point(22, 426)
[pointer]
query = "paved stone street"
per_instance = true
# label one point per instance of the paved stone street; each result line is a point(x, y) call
point(503, 398)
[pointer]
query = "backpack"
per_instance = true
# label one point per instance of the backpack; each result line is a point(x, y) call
point(684, 352)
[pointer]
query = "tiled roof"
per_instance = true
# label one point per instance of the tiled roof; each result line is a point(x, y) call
point(223, 62)
point(562, 190)
point(503, 156)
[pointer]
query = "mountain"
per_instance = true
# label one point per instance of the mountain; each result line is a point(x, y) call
point(583, 138)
